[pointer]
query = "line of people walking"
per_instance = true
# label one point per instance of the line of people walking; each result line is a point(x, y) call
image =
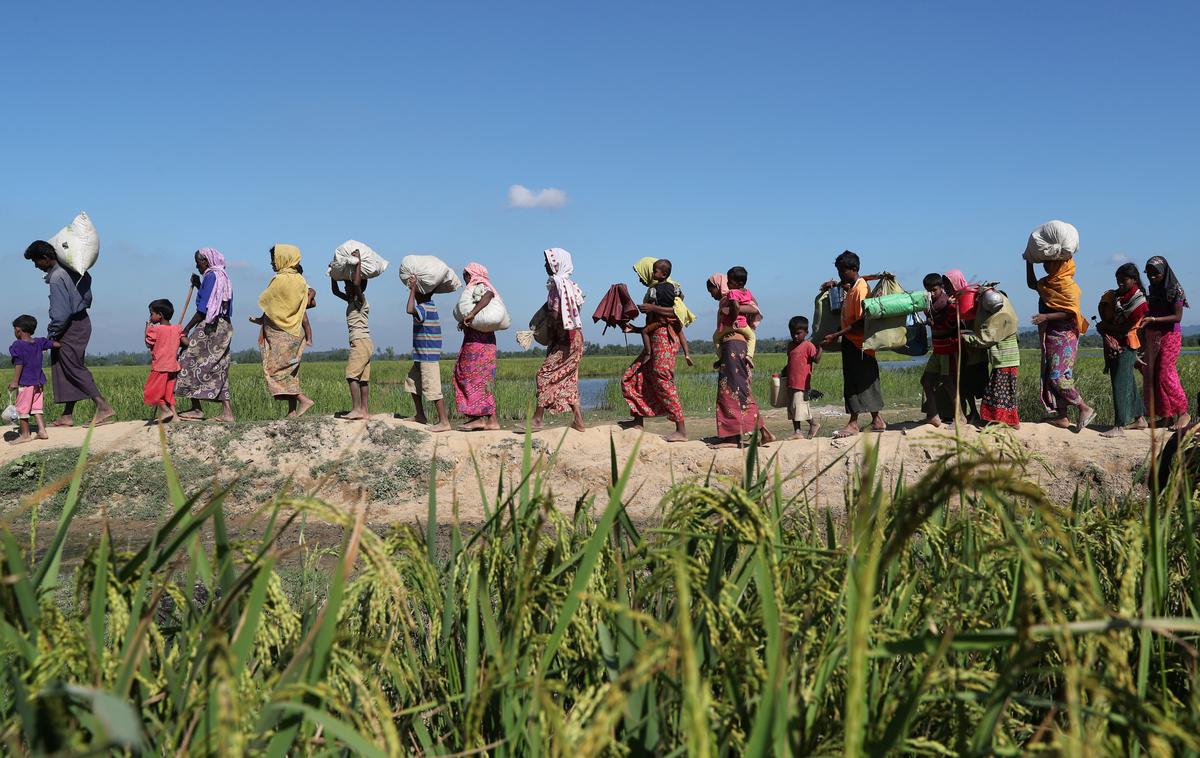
point(973, 333)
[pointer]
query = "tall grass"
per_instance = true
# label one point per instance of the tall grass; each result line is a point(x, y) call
point(965, 614)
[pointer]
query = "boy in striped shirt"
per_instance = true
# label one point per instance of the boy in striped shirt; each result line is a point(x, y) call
point(424, 380)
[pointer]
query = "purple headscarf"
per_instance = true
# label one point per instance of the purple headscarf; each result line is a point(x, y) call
point(222, 291)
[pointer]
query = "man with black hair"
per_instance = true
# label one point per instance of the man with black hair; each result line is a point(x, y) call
point(70, 327)
point(860, 370)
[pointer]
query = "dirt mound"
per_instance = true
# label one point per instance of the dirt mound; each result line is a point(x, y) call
point(388, 463)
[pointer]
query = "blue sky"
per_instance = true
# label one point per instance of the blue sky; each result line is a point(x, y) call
point(925, 136)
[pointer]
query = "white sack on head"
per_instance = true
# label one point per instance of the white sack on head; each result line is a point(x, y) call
point(77, 244)
point(342, 267)
point(1052, 241)
point(433, 276)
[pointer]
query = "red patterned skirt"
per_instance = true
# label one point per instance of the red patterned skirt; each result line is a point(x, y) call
point(558, 377)
point(475, 374)
point(999, 402)
point(649, 383)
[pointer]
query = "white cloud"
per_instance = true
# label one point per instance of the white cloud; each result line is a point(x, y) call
point(520, 196)
point(1118, 258)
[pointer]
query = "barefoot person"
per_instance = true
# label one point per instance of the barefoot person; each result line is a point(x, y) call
point(737, 411)
point(1166, 300)
point(281, 338)
point(28, 378)
point(802, 357)
point(558, 377)
point(70, 327)
point(475, 368)
point(994, 331)
point(424, 380)
point(204, 366)
point(1060, 322)
point(648, 385)
point(165, 341)
point(860, 370)
point(1121, 313)
point(358, 364)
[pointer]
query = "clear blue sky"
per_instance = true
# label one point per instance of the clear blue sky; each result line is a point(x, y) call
point(925, 136)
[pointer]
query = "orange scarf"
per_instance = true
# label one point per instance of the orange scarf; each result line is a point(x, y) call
point(1059, 291)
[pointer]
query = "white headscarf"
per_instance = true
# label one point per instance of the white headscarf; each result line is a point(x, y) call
point(563, 289)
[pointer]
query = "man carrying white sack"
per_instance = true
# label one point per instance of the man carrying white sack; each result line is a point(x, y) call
point(71, 330)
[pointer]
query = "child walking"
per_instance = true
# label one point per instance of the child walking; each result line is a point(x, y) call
point(733, 293)
point(28, 378)
point(358, 366)
point(424, 380)
point(802, 356)
point(939, 381)
point(164, 340)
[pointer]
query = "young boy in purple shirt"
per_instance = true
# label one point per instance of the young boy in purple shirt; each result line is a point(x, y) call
point(28, 377)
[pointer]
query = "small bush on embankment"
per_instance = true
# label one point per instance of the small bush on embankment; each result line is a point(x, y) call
point(965, 614)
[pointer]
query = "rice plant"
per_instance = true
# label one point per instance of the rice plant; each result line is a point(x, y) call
point(964, 614)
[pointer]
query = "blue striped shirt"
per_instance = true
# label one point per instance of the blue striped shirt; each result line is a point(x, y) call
point(427, 333)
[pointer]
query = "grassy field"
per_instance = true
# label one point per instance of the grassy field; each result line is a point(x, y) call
point(964, 614)
point(324, 382)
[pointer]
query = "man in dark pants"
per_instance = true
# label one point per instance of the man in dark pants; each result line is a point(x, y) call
point(71, 329)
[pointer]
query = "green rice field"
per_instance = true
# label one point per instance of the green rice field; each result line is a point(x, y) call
point(324, 382)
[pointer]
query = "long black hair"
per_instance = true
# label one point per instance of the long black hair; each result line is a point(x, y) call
point(1130, 271)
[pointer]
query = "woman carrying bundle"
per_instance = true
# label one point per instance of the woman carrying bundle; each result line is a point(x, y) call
point(1165, 397)
point(737, 411)
point(1060, 322)
point(204, 366)
point(558, 378)
point(475, 368)
point(1121, 313)
point(282, 338)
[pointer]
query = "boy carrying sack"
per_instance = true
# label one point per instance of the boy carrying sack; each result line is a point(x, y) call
point(28, 378)
point(424, 380)
point(165, 341)
point(358, 365)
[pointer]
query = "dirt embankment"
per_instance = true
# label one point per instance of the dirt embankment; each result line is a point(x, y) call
point(386, 463)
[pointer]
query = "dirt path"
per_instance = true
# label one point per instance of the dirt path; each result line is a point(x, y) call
point(386, 462)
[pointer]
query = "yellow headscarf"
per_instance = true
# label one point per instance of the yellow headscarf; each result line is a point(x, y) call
point(644, 268)
point(1060, 292)
point(286, 297)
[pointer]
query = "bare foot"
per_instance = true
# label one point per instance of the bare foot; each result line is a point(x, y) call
point(224, 418)
point(675, 437)
point(813, 430)
point(879, 426)
point(578, 426)
point(933, 421)
point(799, 436)
point(21, 440)
point(491, 426)
point(191, 416)
point(765, 437)
point(1182, 422)
point(439, 427)
point(844, 432)
point(303, 406)
point(106, 418)
point(355, 416)
point(63, 421)
point(1116, 431)
point(473, 425)
point(1062, 422)
point(1139, 424)
point(420, 419)
point(43, 436)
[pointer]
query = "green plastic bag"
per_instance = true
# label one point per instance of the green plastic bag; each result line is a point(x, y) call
point(900, 304)
point(886, 333)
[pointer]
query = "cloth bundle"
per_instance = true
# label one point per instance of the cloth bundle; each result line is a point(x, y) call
point(825, 319)
point(492, 317)
point(342, 266)
point(1052, 241)
point(77, 244)
point(433, 276)
point(888, 333)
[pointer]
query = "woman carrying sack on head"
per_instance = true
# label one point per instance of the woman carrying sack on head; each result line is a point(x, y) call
point(557, 379)
point(281, 341)
point(1165, 397)
point(204, 366)
point(1060, 322)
